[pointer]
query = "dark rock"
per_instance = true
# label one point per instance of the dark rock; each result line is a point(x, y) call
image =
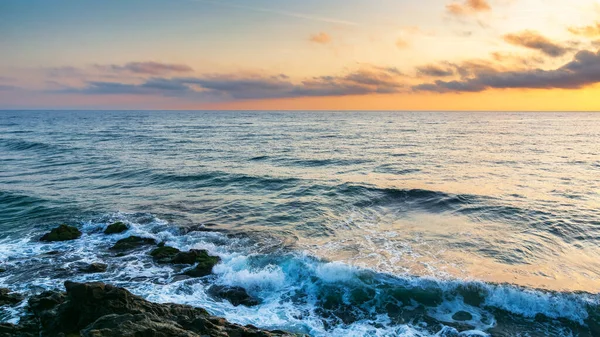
point(99, 310)
point(164, 254)
point(9, 298)
point(132, 242)
point(145, 325)
point(200, 228)
point(192, 256)
point(235, 295)
point(62, 233)
point(27, 327)
point(472, 295)
point(462, 316)
point(2, 270)
point(93, 268)
point(116, 228)
point(205, 263)
point(53, 252)
point(45, 301)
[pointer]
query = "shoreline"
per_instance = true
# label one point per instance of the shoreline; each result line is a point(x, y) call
point(245, 287)
point(101, 310)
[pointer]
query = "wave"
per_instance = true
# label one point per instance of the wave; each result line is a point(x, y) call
point(14, 144)
point(298, 292)
point(17, 209)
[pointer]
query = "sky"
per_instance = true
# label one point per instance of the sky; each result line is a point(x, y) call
point(292, 54)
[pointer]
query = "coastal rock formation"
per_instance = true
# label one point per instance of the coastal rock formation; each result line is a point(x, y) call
point(164, 254)
point(100, 310)
point(462, 316)
point(132, 242)
point(235, 295)
point(9, 298)
point(62, 233)
point(205, 262)
point(93, 268)
point(116, 228)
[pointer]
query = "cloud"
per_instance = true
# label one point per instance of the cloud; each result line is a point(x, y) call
point(4, 87)
point(468, 7)
point(589, 31)
point(434, 70)
point(582, 71)
point(368, 80)
point(148, 68)
point(533, 40)
point(322, 38)
point(402, 43)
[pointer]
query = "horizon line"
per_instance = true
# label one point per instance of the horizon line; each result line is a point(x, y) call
point(291, 110)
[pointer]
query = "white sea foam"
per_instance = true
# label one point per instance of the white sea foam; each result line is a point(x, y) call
point(292, 286)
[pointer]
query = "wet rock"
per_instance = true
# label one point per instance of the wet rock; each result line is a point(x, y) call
point(164, 254)
point(45, 301)
point(209, 227)
point(192, 256)
point(116, 228)
point(132, 242)
point(205, 263)
point(53, 252)
point(100, 310)
point(235, 295)
point(93, 268)
point(62, 233)
point(9, 298)
point(27, 327)
point(462, 316)
point(472, 295)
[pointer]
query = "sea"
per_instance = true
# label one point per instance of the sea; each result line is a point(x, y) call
point(342, 223)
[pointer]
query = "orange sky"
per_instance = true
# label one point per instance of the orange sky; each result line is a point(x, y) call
point(325, 55)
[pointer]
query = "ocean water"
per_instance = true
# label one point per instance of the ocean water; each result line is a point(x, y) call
point(342, 223)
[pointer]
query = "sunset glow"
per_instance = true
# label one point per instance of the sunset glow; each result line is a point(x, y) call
point(324, 55)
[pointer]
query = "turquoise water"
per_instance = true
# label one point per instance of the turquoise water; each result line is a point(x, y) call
point(343, 223)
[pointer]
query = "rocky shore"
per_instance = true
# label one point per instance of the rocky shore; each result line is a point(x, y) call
point(101, 310)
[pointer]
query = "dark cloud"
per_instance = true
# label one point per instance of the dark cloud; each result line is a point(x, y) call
point(582, 71)
point(435, 70)
point(148, 68)
point(8, 87)
point(365, 81)
point(533, 40)
point(468, 7)
point(589, 31)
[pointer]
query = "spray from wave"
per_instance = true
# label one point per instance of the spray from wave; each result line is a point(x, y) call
point(297, 292)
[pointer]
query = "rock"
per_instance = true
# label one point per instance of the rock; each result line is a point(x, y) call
point(472, 295)
point(164, 254)
point(235, 295)
point(93, 268)
point(462, 316)
point(116, 228)
point(27, 327)
point(2, 270)
point(100, 310)
point(132, 242)
point(199, 228)
point(9, 298)
point(191, 257)
point(62, 233)
point(205, 263)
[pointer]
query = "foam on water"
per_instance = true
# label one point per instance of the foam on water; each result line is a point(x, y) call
point(298, 291)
